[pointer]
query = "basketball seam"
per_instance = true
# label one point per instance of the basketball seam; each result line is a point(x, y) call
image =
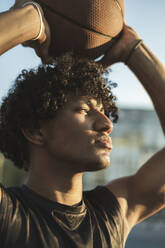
point(118, 5)
point(73, 21)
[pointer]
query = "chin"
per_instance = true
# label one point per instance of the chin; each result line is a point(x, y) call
point(99, 164)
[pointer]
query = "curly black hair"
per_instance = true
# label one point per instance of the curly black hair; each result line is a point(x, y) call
point(38, 94)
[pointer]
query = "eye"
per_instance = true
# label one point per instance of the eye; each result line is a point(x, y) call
point(82, 110)
point(102, 110)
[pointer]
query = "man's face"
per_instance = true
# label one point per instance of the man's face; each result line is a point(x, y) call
point(79, 136)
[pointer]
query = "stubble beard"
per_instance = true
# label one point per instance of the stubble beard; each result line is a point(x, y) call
point(93, 163)
point(84, 161)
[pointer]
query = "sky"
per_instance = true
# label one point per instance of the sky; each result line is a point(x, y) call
point(146, 17)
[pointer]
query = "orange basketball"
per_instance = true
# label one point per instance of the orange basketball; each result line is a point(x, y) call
point(85, 26)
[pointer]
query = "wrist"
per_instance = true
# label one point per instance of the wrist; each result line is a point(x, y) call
point(36, 7)
point(30, 22)
point(133, 50)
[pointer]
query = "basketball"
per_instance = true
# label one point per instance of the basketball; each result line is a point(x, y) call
point(84, 26)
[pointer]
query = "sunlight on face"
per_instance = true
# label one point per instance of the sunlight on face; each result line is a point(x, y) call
point(79, 137)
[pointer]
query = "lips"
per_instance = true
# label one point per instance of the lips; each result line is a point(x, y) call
point(105, 142)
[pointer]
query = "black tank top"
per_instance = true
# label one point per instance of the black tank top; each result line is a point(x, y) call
point(28, 220)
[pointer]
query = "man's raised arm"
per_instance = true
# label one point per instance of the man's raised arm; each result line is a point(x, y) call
point(25, 23)
point(149, 181)
point(142, 194)
point(18, 26)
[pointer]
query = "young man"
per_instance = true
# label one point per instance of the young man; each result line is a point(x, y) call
point(54, 123)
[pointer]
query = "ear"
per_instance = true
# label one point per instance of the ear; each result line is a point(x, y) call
point(35, 137)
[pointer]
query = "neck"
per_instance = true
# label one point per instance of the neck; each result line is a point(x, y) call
point(61, 186)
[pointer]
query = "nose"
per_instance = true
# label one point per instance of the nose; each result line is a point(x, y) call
point(102, 123)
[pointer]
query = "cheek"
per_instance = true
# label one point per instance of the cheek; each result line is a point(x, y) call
point(68, 136)
point(73, 128)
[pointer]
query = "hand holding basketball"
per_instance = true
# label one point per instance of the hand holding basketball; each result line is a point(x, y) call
point(121, 47)
point(42, 43)
point(86, 27)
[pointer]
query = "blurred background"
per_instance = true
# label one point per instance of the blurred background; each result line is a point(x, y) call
point(136, 137)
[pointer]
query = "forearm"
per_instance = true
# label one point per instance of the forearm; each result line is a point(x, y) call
point(151, 73)
point(18, 26)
